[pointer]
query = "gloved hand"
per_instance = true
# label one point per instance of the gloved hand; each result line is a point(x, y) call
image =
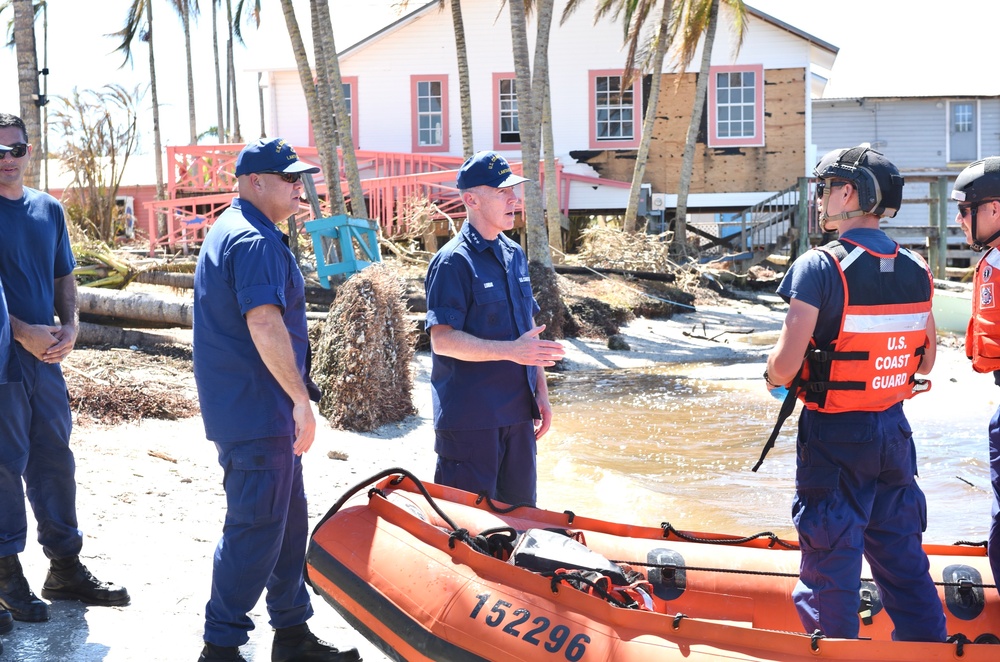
point(779, 393)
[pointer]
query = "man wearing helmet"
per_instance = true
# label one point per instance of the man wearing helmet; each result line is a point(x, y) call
point(977, 190)
point(860, 313)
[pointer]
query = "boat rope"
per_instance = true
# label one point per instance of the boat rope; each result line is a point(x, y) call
point(814, 639)
point(399, 474)
point(959, 640)
point(771, 573)
point(668, 529)
point(483, 496)
point(556, 578)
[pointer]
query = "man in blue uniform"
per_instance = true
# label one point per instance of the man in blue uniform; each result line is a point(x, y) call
point(491, 401)
point(36, 267)
point(977, 190)
point(250, 366)
point(859, 311)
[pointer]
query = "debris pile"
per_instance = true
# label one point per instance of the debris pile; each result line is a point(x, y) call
point(109, 386)
point(362, 358)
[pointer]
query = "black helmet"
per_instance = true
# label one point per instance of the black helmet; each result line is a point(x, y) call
point(979, 181)
point(876, 179)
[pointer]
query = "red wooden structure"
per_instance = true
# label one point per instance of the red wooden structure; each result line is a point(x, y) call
point(202, 185)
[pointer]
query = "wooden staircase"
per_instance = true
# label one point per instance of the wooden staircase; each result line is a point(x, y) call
point(768, 227)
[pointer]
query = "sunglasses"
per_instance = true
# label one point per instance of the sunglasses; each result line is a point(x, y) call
point(821, 187)
point(17, 150)
point(965, 209)
point(290, 177)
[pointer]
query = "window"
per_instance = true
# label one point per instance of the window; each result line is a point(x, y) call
point(615, 118)
point(736, 106)
point(963, 117)
point(350, 87)
point(430, 113)
point(506, 131)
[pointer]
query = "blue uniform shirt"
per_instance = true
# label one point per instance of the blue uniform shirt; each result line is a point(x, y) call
point(482, 288)
point(34, 251)
point(244, 263)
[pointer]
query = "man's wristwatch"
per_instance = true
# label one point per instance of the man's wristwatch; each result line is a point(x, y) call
point(768, 381)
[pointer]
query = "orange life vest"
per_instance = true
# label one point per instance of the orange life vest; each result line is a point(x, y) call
point(872, 362)
point(982, 339)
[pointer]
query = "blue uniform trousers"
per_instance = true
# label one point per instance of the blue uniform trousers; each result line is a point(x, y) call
point(498, 461)
point(993, 544)
point(263, 542)
point(856, 494)
point(34, 447)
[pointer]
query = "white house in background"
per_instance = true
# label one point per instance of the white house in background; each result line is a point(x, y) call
point(402, 82)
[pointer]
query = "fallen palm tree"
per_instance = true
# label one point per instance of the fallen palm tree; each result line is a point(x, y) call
point(135, 308)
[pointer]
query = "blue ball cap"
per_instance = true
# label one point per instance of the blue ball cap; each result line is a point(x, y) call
point(274, 155)
point(487, 169)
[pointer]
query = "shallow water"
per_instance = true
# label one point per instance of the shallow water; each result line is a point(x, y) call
point(675, 443)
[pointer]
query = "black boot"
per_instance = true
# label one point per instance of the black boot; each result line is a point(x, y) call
point(68, 579)
point(213, 653)
point(298, 644)
point(16, 596)
point(6, 621)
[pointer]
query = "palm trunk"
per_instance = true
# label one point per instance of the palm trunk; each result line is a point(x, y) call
point(553, 214)
point(530, 93)
point(465, 94)
point(192, 121)
point(324, 124)
point(358, 206)
point(687, 164)
point(237, 137)
point(220, 128)
point(157, 148)
point(662, 43)
point(27, 81)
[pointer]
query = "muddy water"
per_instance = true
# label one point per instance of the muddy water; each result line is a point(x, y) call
point(676, 443)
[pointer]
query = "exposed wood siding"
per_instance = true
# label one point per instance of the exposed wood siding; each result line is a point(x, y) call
point(773, 167)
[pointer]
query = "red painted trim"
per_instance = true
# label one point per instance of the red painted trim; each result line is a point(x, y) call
point(756, 140)
point(414, 141)
point(636, 110)
point(497, 145)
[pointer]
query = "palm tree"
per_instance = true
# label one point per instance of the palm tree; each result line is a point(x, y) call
point(220, 129)
point(252, 10)
point(312, 105)
point(344, 137)
point(465, 93)
point(139, 22)
point(27, 80)
point(530, 97)
point(699, 16)
point(188, 9)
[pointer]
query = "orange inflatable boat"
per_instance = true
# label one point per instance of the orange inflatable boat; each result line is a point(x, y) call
point(427, 572)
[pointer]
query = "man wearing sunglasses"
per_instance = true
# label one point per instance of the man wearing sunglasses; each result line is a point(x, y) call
point(860, 313)
point(251, 367)
point(36, 268)
point(977, 190)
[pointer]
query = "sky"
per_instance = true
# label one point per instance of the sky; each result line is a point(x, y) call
point(886, 47)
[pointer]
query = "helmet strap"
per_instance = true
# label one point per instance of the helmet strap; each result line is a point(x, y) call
point(977, 244)
point(839, 217)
